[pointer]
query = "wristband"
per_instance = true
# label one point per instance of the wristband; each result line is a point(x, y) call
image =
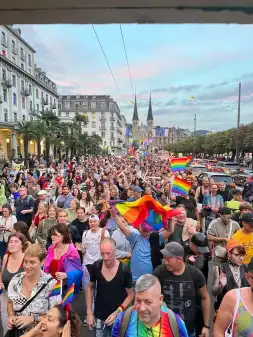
point(121, 308)
point(206, 326)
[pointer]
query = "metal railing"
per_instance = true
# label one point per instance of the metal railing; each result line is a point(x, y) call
point(7, 83)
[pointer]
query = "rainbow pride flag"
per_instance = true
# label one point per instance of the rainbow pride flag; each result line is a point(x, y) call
point(57, 289)
point(145, 211)
point(68, 298)
point(179, 164)
point(180, 186)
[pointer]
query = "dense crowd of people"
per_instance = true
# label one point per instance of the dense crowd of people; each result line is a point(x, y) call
point(61, 224)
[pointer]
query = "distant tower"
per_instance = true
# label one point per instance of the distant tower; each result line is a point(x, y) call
point(150, 119)
point(135, 121)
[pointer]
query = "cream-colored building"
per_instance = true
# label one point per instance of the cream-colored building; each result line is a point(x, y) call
point(24, 90)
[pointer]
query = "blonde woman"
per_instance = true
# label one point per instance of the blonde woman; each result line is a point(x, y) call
point(73, 207)
point(46, 224)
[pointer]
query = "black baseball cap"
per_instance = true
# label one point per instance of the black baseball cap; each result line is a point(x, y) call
point(201, 242)
point(225, 211)
point(248, 218)
point(173, 249)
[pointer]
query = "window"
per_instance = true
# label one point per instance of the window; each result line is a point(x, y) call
point(111, 107)
point(13, 59)
point(22, 66)
point(67, 114)
point(29, 60)
point(93, 124)
point(4, 74)
point(31, 117)
point(5, 115)
point(31, 105)
point(47, 99)
point(23, 118)
point(30, 89)
point(22, 85)
point(14, 99)
point(42, 95)
point(14, 81)
point(93, 105)
point(103, 134)
point(23, 102)
point(15, 117)
point(5, 95)
point(50, 101)
point(37, 108)
point(86, 105)
point(22, 55)
point(102, 105)
point(93, 115)
point(59, 113)
point(67, 105)
point(3, 36)
point(37, 93)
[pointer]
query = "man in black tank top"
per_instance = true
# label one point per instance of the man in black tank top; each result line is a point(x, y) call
point(114, 290)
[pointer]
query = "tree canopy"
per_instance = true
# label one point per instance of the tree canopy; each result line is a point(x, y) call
point(216, 142)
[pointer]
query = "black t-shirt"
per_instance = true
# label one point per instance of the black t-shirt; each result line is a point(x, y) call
point(110, 295)
point(177, 234)
point(190, 205)
point(24, 204)
point(181, 291)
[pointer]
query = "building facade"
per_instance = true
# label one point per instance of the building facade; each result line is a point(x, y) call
point(153, 136)
point(24, 90)
point(103, 114)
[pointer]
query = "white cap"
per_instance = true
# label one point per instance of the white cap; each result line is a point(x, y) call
point(94, 217)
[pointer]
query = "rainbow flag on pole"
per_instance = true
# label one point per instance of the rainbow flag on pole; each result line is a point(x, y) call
point(179, 164)
point(68, 298)
point(180, 186)
point(57, 289)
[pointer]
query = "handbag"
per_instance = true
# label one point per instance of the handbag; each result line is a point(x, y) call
point(221, 251)
point(16, 332)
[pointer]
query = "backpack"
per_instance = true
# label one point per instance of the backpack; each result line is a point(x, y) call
point(171, 316)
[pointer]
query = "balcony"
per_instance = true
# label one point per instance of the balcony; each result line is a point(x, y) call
point(14, 50)
point(53, 106)
point(7, 83)
point(103, 119)
point(4, 42)
point(25, 92)
point(113, 128)
point(22, 56)
point(102, 128)
point(44, 101)
point(120, 140)
point(112, 119)
point(1, 99)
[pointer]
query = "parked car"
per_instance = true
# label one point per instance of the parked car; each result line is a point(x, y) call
point(218, 177)
point(242, 177)
point(197, 169)
point(228, 167)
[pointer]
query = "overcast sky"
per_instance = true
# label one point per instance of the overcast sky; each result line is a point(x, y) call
point(174, 61)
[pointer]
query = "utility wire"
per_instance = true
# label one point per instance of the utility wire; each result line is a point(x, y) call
point(123, 41)
point(106, 59)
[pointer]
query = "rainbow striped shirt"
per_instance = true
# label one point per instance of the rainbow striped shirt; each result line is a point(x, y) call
point(137, 329)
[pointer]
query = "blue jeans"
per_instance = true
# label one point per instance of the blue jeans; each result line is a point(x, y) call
point(102, 330)
point(192, 334)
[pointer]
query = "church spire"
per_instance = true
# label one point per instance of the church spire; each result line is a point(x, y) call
point(150, 113)
point(135, 115)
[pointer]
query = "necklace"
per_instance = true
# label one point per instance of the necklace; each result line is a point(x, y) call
point(59, 255)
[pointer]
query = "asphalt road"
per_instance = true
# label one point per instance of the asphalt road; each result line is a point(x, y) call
point(80, 308)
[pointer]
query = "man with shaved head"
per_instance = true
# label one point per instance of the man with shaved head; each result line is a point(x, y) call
point(149, 316)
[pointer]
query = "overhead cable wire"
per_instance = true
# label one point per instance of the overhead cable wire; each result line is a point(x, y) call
point(129, 72)
point(106, 59)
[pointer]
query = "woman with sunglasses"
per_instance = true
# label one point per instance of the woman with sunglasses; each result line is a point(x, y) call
point(231, 274)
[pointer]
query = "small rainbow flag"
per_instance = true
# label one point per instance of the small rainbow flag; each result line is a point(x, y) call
point(180, 186)
point(56, 289)
point(179, 164)
point(68, 298)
